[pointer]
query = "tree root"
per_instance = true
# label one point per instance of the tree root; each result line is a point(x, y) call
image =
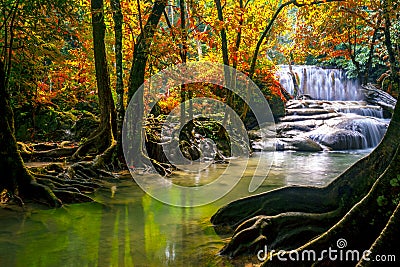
point(387, 243)
point(71, 185)
point(363, 228)
point(51, 151)
point(97, 143)
point(288, 199)
point(72, 197)
point(42, 193)
point(290, 217)
point(283, 231)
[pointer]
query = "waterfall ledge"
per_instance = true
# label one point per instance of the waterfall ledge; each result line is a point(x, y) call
point(315, 125)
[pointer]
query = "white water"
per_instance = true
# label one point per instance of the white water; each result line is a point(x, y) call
point(321, 83)
point(360, 126)
point(359, 108)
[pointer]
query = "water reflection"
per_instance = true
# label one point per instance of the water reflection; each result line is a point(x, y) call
point(133, 229)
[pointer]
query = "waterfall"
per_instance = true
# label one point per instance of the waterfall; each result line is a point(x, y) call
point(357, 107)
point(350, 132)
point(321, 83)
point(335, 118)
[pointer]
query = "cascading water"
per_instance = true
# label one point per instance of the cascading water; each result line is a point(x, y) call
point(336, 118)
point(321, 83)
point(357, 107)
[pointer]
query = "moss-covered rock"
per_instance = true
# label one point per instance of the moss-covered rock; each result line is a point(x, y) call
point(277, 106)
point(44, 123)
point(84, 126)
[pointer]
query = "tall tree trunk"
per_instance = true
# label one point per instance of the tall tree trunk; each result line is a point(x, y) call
point(394, 67)
point(15, 177)
point(119, 87)
point(106, 102)
point(103, 137)
point(183, 55)
point(136, 79)
point(368, 67)
point(142, 47)
point(225, 59)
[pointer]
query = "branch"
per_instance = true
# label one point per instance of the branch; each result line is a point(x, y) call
point(270, 24)
point(140, 16)
point(169, 25)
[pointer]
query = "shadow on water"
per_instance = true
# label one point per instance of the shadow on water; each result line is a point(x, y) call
point(133, 229)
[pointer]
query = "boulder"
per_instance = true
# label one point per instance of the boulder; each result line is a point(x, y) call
point(340, 139)
point(299, 144)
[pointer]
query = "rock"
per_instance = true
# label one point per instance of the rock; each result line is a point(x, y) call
point(294, 118)
point(298, 144)
point(277, 106)
point(314, 106)
point(285, 127)
point(295, 105)
point(340, 139)
point(350, 132)
point(84, 126)
point(306, 111)
point(254, 134)
point(264, 132)
point(301, 144)
point(375, 96)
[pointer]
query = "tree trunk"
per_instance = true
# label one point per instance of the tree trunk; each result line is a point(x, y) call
point(136, 79)
point(15, 178)
point(225, 59)
point(142, 46)
point(289, 217)
point(368, 68)
point(394, 67)
point(103, 137)
point(296, 90)
point(183, 55)
point(118, 156)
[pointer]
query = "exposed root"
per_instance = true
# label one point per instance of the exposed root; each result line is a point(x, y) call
point(98, 142)
point(73, 185)
point(289, 217)
point(288, 199)
point(43, 193)
point(72, 197)
point(283, 231)
point(41, 151)
point(364, 224)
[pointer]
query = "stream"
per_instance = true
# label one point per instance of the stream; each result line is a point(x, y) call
point(133, 229)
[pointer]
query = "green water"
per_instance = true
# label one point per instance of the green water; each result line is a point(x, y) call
point(133, 229)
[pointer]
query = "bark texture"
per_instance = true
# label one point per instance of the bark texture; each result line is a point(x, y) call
point(355, 206)
point(103, 137)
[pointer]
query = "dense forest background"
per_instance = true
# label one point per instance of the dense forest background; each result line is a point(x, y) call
point(68, 70)
point(47, 49)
